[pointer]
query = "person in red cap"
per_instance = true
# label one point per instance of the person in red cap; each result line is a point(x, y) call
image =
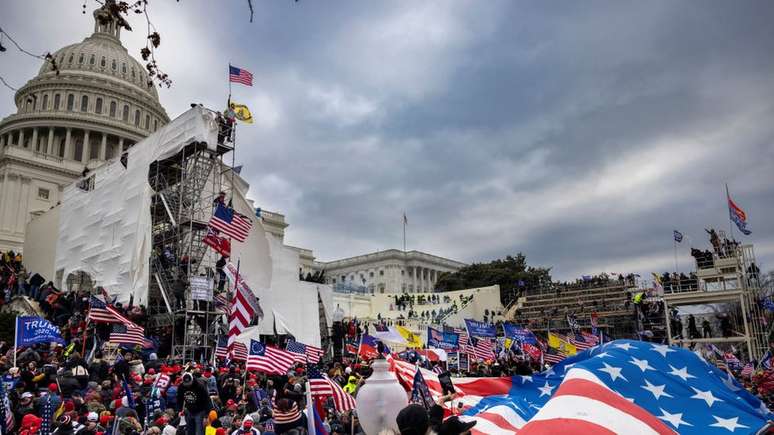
point(247, 427)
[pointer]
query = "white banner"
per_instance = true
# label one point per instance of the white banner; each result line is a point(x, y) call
point(201, 288)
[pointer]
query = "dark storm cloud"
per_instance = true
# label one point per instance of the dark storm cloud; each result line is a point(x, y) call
point(580, 134)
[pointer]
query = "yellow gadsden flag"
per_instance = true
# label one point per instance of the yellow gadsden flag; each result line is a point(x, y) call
point(412, 340)
point(242, 113)
point(561, 344)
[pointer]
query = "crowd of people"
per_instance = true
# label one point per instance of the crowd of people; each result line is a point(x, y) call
point(675, 283)
point(75, 387)
point(79, 387)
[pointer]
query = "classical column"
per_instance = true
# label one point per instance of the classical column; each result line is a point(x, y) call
point(2, 141)
point(86, 152)
point(5, 201)
point(68, 152)
point(21, 137)
point(414, 279)
point(103, 147)
point(50, 145)
point(35, 143)
point(120, 145)
point(23, 204)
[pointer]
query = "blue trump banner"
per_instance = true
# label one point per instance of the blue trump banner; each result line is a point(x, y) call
point(32, 330)
point(480, 329)
point(442, 340)
point(516, 332)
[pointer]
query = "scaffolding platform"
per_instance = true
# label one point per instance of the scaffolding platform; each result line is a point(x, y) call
point(726, 284)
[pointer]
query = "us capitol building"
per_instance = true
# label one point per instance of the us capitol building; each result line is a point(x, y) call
point(100, 104)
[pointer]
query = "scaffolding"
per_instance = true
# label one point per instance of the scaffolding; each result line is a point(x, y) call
point(185, 187)
point(726, 279)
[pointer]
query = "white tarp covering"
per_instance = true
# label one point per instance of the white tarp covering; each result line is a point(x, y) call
point(106, 231)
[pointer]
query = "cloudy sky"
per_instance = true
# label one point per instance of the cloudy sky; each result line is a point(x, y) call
point(579, 133)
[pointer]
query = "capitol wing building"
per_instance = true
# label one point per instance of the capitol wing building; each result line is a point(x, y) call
point(99, 104)
point(389, 271)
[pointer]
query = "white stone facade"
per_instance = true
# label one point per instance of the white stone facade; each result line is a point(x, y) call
point(390, 271)
point(97, 106)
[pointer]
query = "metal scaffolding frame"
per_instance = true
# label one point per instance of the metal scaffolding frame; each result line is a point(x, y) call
point(726, 279)
point(185, 187)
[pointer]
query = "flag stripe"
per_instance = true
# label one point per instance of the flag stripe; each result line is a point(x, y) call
point(273, 361)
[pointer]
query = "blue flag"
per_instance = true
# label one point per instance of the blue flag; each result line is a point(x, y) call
point(678, 236)
point(33, 330)
point(516, 332)
point(480, 329)
point(421, 393)
point(442, 340)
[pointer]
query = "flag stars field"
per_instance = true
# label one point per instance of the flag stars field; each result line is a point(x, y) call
point(662, 349)
point(728, 423)
point(675, 419)
point(706, 396)
point(681, 373)
point(657, 390)
point(642, 364)
point(614, 372)
point(545, 390)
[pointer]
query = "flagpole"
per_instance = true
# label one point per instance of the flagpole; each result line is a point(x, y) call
point(404, 231)
point(674, 242)
point(311, 426)
point(730, 227)
point(229, 81)
point(15, 336)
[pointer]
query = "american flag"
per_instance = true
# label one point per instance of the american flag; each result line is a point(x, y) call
point(747, 370)
point(579, 341)
point(127, 334)
point(221, 301)
point(590, 338)
point(268, 359)
point(99, 311)
point(403, 370)
point(623, 386)
point(552, 356)
point(231, 223)
point(6, 415)
point(482, 348)
point(319, 385)
point(239, 75)
point(342, 400)
point(46, 416)
point(304, 352)
point(244, 305)
point(238, 350)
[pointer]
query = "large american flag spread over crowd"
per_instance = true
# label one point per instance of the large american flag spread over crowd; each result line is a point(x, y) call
point(621, 387)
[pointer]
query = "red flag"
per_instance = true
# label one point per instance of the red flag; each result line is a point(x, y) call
point(221, 245)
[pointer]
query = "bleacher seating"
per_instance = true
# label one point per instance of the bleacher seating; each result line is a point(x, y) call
point(609, 300)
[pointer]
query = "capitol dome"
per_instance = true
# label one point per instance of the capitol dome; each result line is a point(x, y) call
point(99, 103)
